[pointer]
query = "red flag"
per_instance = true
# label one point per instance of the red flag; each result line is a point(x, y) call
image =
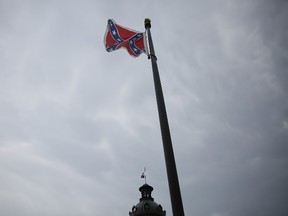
point(117, 37)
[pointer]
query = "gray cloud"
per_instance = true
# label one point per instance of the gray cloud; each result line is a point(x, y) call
point(78, 124)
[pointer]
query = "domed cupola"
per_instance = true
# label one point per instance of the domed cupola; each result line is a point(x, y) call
point(147, 206)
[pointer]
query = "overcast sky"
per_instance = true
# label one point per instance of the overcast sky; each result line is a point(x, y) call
point(79, 124)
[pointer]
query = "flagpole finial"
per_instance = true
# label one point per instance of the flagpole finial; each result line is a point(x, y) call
point(147, 23)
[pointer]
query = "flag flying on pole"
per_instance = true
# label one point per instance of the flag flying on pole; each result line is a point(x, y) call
point(143, 175)
point(117, 37)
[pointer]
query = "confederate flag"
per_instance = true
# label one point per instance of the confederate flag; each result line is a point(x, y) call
point(117, 37)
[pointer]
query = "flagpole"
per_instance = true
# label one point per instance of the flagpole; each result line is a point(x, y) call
point(174, 188)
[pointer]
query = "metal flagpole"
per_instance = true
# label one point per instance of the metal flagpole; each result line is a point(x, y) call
point(174, 188)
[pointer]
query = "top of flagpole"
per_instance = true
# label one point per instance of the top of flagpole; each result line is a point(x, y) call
point(151, 52)
point(147, 23)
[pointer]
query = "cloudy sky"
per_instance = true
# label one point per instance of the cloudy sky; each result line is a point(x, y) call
point(79, 124)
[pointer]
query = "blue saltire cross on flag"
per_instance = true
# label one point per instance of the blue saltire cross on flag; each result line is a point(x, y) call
point(117, 37)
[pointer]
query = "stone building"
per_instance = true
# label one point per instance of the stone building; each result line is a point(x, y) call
point(146, 205)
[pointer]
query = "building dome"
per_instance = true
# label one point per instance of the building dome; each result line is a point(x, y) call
point(147, 206)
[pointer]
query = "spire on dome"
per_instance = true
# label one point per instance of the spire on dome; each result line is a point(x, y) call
point(147, 206)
